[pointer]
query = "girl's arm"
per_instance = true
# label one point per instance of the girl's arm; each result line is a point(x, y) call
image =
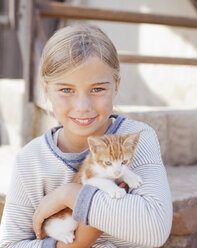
point(62, 197)
point(85, 236)
point(16, 225)
point(58, 199)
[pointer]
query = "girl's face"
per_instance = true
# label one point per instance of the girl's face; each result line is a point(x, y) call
point(82, 100)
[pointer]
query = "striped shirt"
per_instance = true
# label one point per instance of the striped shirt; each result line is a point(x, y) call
point(142, 218)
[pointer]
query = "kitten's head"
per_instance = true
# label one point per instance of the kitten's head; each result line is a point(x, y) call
point(113, 152)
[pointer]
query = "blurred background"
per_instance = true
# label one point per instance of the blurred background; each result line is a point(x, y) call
point(157, 44)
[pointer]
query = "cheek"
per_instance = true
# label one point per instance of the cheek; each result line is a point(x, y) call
point(61, 108)
point(109, 170)
point(103, 103)
point(60, 103)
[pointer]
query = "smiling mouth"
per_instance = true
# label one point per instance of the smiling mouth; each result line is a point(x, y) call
point(83, 121)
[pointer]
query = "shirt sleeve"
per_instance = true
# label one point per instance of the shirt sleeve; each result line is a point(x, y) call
point(16, 226)
point(144, 216)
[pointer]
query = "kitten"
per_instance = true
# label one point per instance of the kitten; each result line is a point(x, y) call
point(106, 165)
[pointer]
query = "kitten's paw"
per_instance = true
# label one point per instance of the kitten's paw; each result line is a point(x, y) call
point(135, 182)
point(117, 193)
point(68, 238)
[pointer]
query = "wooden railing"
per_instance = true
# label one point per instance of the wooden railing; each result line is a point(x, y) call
point(9, 20)
point(40, 9)
point(4, 21)
point(58, 10)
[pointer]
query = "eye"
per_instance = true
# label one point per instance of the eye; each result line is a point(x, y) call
point(97, 90)
point(108, 163)
point(124, 162)
point(66, 90)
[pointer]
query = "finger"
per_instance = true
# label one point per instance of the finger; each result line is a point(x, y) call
point(37, 228)
point(37, 231)
point(37, 224)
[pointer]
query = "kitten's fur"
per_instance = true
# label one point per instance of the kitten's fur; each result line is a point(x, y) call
point(106, 165)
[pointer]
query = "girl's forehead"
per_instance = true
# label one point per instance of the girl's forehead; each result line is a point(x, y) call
point(94, 70)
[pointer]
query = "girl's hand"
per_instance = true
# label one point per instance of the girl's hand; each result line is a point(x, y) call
point(49, 205)
point(52, 203)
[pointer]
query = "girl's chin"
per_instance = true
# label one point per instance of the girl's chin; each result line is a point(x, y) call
point(85, 131)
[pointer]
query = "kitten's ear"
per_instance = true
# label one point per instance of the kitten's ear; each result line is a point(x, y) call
point(131, 140)
point(94, 143)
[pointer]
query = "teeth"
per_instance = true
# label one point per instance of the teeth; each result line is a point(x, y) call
point(82, 121)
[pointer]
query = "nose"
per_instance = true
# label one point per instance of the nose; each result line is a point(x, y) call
point(83, 103)
point(117, 173)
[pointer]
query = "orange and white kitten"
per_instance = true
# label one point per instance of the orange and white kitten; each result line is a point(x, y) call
point(106, 165)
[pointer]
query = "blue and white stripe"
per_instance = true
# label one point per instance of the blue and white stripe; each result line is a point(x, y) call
point(141, 219)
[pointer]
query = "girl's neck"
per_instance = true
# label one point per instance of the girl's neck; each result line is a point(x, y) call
point(76, 144)
point(72, 145)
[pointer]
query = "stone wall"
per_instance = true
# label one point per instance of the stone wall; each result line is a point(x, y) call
point(2, 202)
point(183, 185)
point(176, 129)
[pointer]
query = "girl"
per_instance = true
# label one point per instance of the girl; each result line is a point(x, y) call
point(79, 72)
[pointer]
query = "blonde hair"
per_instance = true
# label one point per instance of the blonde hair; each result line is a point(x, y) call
point(71, 46)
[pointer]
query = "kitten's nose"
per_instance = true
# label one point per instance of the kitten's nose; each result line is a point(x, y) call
point(117, 173)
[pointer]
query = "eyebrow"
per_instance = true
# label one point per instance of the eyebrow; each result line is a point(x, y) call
point(67, 84)
point(100, 83)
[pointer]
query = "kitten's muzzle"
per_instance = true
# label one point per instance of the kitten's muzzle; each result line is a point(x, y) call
point(117, 173)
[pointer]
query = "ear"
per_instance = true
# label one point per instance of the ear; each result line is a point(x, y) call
point(131, 141)
point(95, 143)
point(45, 87)
point(117, 84)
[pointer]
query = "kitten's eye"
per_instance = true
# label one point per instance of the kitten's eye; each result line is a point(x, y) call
point(124, 162)
point(107, 163)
